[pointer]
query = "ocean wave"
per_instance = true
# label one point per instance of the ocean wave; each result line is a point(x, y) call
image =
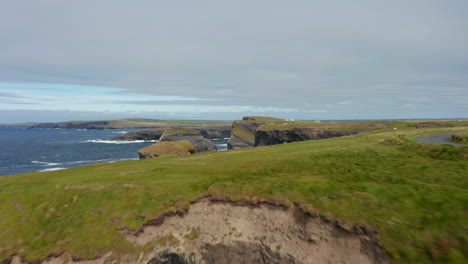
point(44, 163)
point(120, 132)
point(118, 142)
point(53, 169)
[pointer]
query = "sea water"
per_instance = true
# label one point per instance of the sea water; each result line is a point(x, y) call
point(30, 150)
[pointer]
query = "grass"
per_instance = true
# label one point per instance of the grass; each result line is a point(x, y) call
point(461, 138)
point(243, 133)
point(414, 194)
point(353, 125)
point(180, 130)
point(183, 147)
point(194, 233)
point(265, 119)
point(152, 123)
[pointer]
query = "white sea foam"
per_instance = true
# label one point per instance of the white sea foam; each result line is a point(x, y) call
point(79, 161)
point(120, 132)
point(117, 142)
point(53, 169)
point(44, 163)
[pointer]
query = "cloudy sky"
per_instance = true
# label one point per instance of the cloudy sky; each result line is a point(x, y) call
point(363, 59)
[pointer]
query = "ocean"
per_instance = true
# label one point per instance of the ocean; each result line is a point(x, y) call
point(30, 150)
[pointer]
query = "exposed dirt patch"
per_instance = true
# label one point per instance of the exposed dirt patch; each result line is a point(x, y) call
point(216, 230)
point(225, 232)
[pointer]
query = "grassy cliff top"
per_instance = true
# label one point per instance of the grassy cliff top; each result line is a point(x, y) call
point(183, 147)
point(263, 118)
point(414, 194)
point(149, 123)
point(180, 130)
point(243, 133)
point(351, 125)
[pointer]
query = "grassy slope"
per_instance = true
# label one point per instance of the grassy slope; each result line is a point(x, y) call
point(183, 147)
point(461, 137)
point(243, 133)
point(415, 194)
point(180, 130)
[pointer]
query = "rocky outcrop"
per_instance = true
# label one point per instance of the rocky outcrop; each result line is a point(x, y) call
point(254, 131)
point(431, 125)
point(179, 133)
point(159, 149)
point(243, 133)
point(208, 132)
point(141, 134)
point(279, 136)
point(214, 132)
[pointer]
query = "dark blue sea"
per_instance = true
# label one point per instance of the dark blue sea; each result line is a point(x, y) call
point(29, 150)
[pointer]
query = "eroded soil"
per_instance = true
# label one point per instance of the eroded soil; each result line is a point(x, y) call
point(214, 232)
point(224, 232)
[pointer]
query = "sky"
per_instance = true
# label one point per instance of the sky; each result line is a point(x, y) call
point(217, 59)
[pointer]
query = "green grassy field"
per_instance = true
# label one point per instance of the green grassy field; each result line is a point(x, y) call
point(461, 137)
point(414, 194)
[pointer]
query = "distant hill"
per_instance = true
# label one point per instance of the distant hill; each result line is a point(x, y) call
point(19, 124)
point(129, 123)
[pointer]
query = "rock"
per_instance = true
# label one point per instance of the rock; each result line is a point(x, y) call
point(159, 149)
point(215, 132)
point(430, 125)
point(279, 136)
point(243, 133)
point(208, 132)
point(255, 131)
point(141, 134)
point(179, 133)
point(243, 252)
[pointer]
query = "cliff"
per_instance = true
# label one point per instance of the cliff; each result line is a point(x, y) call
point(279, 136)
point(130, 123)
point(208, 132)
point(74, 125)
point(141, 134)
point(179, 133)
point(243, 131)
point(159, 149)
point(263, 131)
point(214, 132)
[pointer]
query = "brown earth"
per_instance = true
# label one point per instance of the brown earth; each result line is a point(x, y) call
point(225, 232)
point(220, 231)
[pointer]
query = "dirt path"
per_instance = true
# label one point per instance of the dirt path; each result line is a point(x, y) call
point(439, 139)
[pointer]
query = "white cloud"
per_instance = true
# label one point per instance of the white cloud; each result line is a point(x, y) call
point(304, 56)
point(345, 102)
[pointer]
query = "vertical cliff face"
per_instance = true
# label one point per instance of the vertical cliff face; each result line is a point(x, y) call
point(263, 131)
point(279, 136)
point(208, 132)
point(243, 134)
point(215, 132)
